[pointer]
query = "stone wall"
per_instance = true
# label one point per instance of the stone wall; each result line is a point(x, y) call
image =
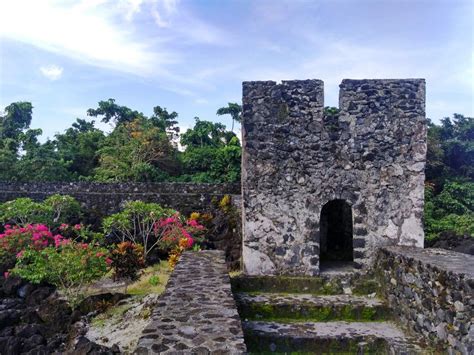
point(106, 198)
point(197, 312)
point(296, 159)
point(431, 292)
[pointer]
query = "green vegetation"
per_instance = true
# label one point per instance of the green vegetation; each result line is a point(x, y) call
point(153, 279)
point(53, 211)
point(449, 188)
point(38, 244)
point(142, 148)
point(139, 148)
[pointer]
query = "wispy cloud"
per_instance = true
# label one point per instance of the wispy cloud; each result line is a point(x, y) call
point(52, 72)
point(89, 32)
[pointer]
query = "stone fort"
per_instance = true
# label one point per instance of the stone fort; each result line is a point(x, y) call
point(323, 188)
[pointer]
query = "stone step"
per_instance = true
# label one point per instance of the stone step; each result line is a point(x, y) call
point(325, 284)
point(328, 337)
point(290, 308)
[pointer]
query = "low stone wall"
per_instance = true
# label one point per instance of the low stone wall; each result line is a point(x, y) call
point(431, 293)
point(197, 312)
point(106, 198)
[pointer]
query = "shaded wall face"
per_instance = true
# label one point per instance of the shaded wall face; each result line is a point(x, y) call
point(296, 159)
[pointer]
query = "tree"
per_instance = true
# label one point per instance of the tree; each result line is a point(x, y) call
point(212, 153)
point(136, 151)
point(17, 118)
point(206, 133)
point(232, 109)
point(79, 146)
point(113, 112)
point(165, 121)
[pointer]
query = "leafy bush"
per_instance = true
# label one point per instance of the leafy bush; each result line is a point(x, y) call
point(16, 239)
point(80, 232)
point(61, 209)
point(53, 211)
point(154, 280)
point(450, 210)
point(136, 223)
point(22, 211)
point(127, 260)
point(70, 266)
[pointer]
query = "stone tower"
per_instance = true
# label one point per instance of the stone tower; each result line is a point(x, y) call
point(330, 187)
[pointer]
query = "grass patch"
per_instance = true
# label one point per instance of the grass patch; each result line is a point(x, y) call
point(153, 279)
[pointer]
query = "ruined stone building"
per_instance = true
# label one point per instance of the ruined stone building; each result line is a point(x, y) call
point(324, 188)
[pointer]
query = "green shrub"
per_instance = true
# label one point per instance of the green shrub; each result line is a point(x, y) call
point(452, 209)
point(136, 223)
point(22, 211)
point(71, 267)
point(53, 211)
point(154, 280)
point(61, 209)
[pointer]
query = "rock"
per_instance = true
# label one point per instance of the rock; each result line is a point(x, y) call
point(9, 317)
point(55, 312)
point(458, 306)
point(28, 330)
point(84, 347)
point(32, 342)
point(39, 295)
point(25, 290)
point(11, 285)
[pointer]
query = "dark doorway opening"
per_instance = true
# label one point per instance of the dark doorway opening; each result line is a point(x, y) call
point(336, 234)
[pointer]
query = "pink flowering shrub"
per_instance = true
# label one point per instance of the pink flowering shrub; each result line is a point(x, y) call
point(16, 239)
point(171, 230)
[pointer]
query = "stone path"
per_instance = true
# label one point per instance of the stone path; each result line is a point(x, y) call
point(196, 313)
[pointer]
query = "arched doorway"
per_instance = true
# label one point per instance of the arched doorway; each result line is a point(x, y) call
point(336, 233)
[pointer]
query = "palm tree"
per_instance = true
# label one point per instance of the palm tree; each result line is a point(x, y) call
point(232, 109)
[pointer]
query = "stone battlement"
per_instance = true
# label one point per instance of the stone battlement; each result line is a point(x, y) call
point(332, 186)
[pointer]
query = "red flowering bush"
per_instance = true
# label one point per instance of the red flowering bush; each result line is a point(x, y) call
point(80, 232)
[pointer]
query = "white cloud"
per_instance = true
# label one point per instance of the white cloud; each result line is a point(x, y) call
point(88, 31)
point(201, 101)
point(52, 72)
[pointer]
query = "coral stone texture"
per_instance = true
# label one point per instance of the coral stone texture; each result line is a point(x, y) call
point(296, 158)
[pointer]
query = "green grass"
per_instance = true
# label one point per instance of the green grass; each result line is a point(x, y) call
point(144, 286)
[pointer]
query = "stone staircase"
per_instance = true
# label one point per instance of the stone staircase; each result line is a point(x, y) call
point(333, 313)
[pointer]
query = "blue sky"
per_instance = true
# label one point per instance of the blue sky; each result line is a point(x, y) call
point(192, 56)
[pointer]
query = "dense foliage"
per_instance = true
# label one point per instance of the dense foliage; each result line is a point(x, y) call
point(449, 188)
point(53, 211)
point(72, 256)
point(142, 148)
point(139, 148)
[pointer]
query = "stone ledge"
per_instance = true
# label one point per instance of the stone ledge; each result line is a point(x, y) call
point(447, 260)
point(196, 313)
point(431, 294)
